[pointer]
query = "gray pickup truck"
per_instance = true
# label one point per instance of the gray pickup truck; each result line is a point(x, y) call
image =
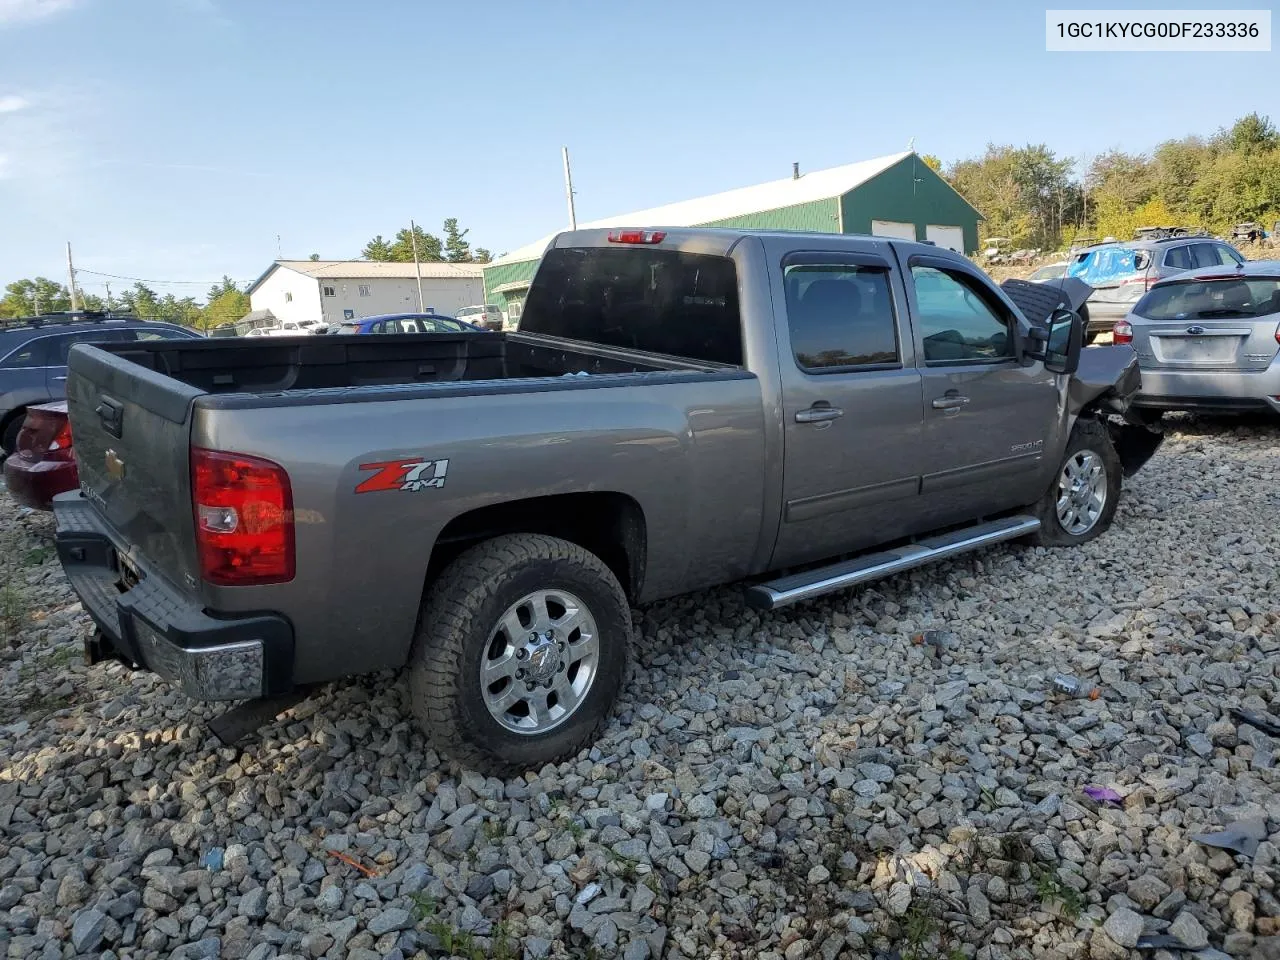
point(678, 409)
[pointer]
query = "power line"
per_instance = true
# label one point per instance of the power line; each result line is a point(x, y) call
point(116, 276)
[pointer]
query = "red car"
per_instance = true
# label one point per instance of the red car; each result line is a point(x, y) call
point(42, 465)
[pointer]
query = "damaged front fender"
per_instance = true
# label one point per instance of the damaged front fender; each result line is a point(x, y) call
point(1104, 386)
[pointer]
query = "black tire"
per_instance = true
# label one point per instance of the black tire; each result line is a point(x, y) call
point(462, 610)
point(1089, 436)
point(9, 439)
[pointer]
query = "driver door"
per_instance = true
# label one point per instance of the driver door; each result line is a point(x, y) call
point(989, 417)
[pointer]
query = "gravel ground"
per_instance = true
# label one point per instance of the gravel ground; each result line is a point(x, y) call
point(812, 783)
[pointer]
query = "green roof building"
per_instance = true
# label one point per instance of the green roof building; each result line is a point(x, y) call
point(893, 196)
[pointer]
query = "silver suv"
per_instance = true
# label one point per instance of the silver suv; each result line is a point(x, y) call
point(1121, 273)
point(1209, 340)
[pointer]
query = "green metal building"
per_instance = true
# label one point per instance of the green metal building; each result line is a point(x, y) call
point(893, 196)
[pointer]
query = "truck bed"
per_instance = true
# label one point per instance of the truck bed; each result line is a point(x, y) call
point(261, 365)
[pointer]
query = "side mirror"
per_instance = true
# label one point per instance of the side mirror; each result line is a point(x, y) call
point(1059, 343)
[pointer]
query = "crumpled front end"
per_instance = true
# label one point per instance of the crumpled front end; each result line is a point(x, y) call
point(1104, 386)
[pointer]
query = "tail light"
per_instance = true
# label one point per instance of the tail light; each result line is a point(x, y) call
point(45, 436)
point(244, 519)
point(1122, 332)
point(637, 236)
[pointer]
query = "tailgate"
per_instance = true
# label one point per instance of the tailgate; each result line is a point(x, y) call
point(132, 429)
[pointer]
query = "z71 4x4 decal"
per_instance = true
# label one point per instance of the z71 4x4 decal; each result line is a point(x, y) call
point(410, 475)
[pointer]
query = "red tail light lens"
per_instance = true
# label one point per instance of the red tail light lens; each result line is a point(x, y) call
point(45, 435)
point(244, 519)
point(637, 236)
point(60, 446)
point(1122, 332)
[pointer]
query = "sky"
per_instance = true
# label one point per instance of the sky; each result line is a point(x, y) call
point(176, 140)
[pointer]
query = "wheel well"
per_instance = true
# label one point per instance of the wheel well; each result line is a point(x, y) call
point(17, 413)
point(610, 525)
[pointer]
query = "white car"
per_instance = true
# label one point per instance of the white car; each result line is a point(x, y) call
point(487, 315)
point(295, 328)
point(1050, 271)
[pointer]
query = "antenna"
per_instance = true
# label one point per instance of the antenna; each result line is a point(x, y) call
point(568, 189)
point(911, 145)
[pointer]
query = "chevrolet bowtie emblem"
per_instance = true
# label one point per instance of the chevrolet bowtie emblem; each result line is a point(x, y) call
point(115, 466)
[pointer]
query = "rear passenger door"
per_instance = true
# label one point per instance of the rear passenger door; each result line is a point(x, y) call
point(990, 420)
point(851, 409)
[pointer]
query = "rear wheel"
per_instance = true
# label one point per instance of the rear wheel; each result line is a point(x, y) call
point(520, 653)
point(1082, 500)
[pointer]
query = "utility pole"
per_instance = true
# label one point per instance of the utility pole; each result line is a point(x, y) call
point(417, 269)
point(71, 280)
point(568, 189)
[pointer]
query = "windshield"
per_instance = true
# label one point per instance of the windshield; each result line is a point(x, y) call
point(1211, 299)
point(640, 298)
point(1107, 266)
point(469, 311)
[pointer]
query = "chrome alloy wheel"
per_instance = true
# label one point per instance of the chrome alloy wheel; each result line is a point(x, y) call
point(540, 662)
point(1082, 492)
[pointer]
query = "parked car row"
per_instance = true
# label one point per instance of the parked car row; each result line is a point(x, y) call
point(1122, 272)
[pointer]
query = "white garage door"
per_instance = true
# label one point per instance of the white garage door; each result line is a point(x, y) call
point(892, 228)
point(952, 238)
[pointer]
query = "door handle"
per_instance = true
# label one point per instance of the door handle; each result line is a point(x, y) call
point(949, 403)
point(59, 378)
point(820, 412)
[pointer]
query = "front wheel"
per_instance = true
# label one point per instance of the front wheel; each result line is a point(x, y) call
point(1082, 500)
point(520, 653)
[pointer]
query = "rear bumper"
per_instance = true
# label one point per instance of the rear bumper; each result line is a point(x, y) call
point(1222, 390)
point(151, 624)
point(35, 484)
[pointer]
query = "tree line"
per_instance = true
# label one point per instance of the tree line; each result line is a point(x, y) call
point(1037, 198)
point(454, 247)
point(224, 303)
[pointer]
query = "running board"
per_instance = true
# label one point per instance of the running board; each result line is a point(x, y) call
point(848, 573)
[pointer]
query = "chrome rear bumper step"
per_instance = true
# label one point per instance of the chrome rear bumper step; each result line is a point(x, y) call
point(848, 573)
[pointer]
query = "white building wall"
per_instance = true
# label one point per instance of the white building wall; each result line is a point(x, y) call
point(289, 295)
point(394, 295)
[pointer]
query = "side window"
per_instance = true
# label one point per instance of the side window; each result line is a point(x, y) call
point(1227, 256)
point(840, 316)
point(957, 322)
point(1179, 258)
point(64, 343)
point(409, 326)
point(1204, 255)
point(136, 333)
point(387, 326)
point(32, 354)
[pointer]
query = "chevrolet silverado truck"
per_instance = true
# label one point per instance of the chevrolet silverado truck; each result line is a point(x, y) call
point(678, 409)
